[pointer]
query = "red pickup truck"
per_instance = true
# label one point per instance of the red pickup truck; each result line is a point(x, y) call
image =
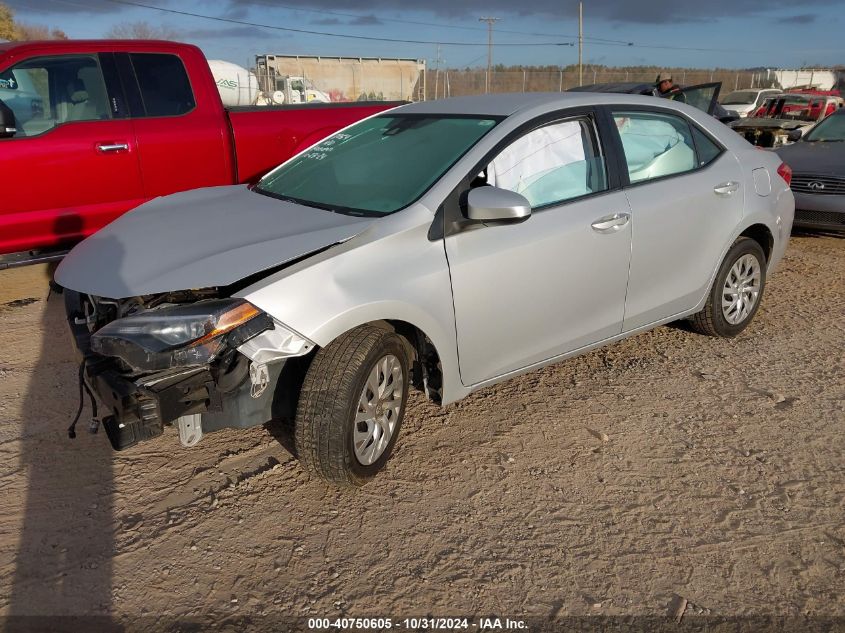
point(91, 129)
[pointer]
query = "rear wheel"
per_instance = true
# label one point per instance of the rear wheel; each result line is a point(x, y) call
point(351, 406)
point(736, 292)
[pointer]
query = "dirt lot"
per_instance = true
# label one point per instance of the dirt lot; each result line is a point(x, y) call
point(669, 465)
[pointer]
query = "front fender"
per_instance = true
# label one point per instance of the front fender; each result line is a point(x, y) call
point(389, 272)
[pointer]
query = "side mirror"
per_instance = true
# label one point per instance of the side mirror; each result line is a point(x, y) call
point(491, 204)
point(794, 135)
point(7, 121)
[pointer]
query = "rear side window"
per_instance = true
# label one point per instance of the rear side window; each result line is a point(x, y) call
point(163, 81)
point(655, 144)
point(706, 149)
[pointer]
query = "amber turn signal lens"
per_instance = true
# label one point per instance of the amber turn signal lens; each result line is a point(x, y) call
point(229, 320)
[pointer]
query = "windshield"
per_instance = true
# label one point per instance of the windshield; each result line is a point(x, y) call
point(829, 130)
point(377, 166)
point(740, 97)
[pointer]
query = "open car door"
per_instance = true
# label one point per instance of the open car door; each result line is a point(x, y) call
point(703, 96)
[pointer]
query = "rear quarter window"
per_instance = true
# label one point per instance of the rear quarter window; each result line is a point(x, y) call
point(706, 149)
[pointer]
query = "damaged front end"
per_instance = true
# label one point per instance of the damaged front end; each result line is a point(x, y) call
point(198, 360)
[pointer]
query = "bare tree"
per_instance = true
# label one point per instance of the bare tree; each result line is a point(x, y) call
point(141, 31)
point(8, 31)
point(17, 31)
point(38, 32)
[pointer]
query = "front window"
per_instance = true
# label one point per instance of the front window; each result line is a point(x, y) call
point(377, 166)
point(831, 130)
point(44, 92)
point(551, 164)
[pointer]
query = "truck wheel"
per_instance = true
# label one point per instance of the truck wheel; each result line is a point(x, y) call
point(351, 406)
point(736, 292)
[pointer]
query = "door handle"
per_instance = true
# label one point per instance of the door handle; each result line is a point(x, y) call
point(112, 147)
point(611, 223)
point(726, 188)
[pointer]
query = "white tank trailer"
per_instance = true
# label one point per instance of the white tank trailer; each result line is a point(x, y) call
point(237, 86)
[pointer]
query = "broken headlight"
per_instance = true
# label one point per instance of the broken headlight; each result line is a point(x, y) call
point(180, 336)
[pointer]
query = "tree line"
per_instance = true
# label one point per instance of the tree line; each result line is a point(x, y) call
point(14, 31)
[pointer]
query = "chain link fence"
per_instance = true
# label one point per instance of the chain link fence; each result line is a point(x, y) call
point(455, 83)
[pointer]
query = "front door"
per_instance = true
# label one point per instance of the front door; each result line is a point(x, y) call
point(527, 292)
point(72, 166)
point(702, 96)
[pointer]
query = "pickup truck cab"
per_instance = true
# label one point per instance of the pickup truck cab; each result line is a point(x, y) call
point(98, 127)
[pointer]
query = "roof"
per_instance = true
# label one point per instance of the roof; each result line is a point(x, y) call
point(510, 103)
point(627, 87)
point(90, 45)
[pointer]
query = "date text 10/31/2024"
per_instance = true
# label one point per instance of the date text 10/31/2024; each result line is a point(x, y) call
point(416, 624)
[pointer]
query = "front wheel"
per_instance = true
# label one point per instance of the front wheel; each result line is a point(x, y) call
point(351, 406)
point(736, 292)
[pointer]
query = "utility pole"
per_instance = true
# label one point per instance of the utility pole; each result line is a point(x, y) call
point(580, 43)
point(490, 23)
point(437, 63)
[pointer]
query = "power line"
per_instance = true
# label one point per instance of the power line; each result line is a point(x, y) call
point(439, 25)
point(598, 41)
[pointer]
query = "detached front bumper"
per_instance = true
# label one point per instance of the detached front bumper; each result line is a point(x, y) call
point(138, 406)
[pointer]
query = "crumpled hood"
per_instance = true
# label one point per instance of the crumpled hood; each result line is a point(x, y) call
point(198, 239)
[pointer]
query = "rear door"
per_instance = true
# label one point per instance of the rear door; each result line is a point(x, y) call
point(72, 166)
point(686, 194)
point(181, 129)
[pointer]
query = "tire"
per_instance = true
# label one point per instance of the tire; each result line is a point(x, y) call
point(333, 395)
point(737, 291)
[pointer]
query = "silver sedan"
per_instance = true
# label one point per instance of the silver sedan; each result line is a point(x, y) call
point(445, 245)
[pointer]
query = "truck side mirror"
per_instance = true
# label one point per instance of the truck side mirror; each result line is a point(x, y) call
point(7, 121)
point(794, 135)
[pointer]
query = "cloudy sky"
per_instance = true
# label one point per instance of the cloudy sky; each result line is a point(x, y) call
point(692, 33)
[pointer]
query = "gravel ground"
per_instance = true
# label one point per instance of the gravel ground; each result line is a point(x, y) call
point(666, 468)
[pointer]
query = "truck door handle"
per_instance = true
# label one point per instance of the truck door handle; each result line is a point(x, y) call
point(611, 223)
point(726, 188)
point(112, 147)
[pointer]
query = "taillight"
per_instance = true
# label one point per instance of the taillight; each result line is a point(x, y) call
point(785, 172)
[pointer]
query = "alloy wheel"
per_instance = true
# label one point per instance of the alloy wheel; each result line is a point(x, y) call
point(741, 290)
point(378, 410)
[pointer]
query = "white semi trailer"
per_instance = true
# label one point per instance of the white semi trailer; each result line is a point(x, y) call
point(302, 79)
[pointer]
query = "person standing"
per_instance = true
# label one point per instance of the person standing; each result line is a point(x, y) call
point(665, 86)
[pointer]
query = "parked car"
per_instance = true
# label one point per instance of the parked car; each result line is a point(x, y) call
point(446, 245)
point(780, 115)
point(705, 97)
point(818, 181)
point(99, 127)
point(745, 102)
